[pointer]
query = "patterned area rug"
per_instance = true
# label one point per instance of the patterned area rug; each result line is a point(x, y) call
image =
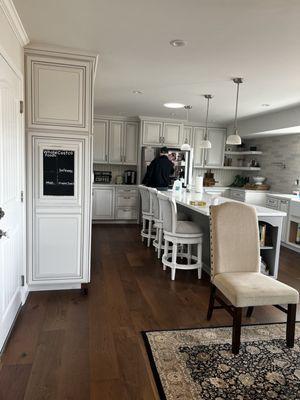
point(198, 364)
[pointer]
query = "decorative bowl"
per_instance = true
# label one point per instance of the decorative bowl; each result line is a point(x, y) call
point(258, 180)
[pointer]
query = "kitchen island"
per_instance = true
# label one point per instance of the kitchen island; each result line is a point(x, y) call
point(200, 215)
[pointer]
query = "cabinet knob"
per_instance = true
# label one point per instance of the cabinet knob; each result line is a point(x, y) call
point(2, 213)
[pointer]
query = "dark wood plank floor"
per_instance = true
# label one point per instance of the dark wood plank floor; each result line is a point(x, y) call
point(66, 346)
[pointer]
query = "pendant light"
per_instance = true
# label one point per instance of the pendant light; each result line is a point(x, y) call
point(205, 143)
point(186, 146)
point(235, 138)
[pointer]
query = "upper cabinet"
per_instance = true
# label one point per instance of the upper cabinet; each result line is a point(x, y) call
point(59, 91)
point(198, 135)
point(214, 157)
point(152, 133)
point(161, 133)
point(115, 142)
point(101, 141)
point(130, 143)
point(171, 134)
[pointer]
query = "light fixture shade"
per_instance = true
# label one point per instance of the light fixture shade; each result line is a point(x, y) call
point(234, 139)
point(205, 144)
point(185, 147)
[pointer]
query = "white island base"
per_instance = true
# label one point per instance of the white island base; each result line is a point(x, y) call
point(200, 215)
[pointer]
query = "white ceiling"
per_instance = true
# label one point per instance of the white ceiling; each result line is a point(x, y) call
point(258, 40)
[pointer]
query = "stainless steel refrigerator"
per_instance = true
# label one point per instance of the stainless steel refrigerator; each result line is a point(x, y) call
point(182, 160)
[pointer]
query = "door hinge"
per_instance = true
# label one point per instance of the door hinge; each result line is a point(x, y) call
point(21, 106)
point(22, 280)
point(22, 196)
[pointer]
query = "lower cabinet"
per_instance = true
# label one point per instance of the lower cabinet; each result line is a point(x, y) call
point(249, 196)
point(103, 203)
point(115, 203)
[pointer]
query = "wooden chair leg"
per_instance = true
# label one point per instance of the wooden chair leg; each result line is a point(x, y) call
point(236, 330)
point(213, 291)
point(290, 325)
point(249, 312)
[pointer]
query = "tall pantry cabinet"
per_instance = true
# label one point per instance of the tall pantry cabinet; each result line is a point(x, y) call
point(59, 121)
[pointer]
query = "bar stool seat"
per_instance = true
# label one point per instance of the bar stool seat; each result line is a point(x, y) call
point(188, 228)
point(182, 234)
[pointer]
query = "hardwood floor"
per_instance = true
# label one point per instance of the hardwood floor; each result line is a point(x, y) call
point(66, 346)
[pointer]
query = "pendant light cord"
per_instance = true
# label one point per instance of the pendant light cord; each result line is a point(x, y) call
point(236, 106)
point(206, 124)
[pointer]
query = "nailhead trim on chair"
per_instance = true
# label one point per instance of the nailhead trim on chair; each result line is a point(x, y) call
point(211, 246)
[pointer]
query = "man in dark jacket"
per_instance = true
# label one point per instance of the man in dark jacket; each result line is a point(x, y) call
point(159, 171)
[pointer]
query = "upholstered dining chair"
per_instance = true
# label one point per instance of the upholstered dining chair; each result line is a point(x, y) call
point(235, 270)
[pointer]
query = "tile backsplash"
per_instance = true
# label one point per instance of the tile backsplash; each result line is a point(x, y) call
point(277, 152)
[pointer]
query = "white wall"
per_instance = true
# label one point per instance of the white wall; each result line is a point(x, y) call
point(282, 120)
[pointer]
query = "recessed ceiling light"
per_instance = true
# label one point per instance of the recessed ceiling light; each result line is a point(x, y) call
point(137, 92)
point(178, 43)
point(174, 105)
point(265, 105)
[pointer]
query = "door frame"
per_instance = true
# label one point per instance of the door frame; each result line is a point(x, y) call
point(20, 75)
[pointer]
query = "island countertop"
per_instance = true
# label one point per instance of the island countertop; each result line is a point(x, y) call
point(184, 198)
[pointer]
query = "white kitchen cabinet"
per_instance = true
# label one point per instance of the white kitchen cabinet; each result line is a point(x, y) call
point(171, 134)
point(254, 197)
point(161, 133)
point(115, 203)
point(130, 143)
point(282, 205)
point(100, 143)
point(152, 133)
point(198, 135)
point(58, 91)
point(186, 135)
point(214, 157)
point(116, 142)
point(126, 203)
point(103, 202)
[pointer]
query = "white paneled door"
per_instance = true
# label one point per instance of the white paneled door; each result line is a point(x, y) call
point(11, 184)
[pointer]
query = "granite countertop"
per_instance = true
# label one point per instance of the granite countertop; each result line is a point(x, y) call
point(183, 198)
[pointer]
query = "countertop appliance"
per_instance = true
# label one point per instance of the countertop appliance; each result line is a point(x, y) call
point(182, 160)
point(130, 177)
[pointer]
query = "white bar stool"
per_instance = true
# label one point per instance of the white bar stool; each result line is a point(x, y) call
point(147, 215)
point(179, 233)
point(158, 222)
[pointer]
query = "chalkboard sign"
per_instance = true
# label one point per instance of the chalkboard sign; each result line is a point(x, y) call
point(58, 170)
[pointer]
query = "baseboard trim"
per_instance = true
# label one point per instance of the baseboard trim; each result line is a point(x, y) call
point(61, 286)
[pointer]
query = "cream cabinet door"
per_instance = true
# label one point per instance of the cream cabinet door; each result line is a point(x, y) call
point(116, 142)
point(171, 134)
point(103, 203)
point(100, 144)
point(214, 157)
point(58, 93)
point(130, 143)
point(152, 133)
point(186, 135)
point(198, 134)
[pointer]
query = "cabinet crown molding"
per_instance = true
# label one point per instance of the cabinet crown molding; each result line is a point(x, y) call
point(62, 52)
point(99, 117)
point(14, 21)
